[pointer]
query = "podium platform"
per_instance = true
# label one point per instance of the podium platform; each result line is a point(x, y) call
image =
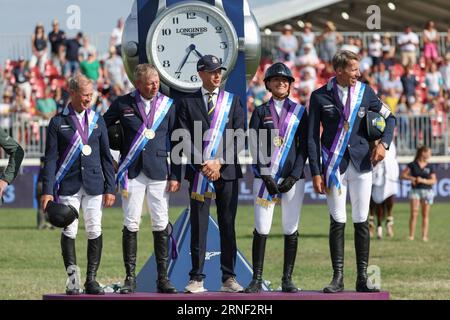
point(302, 295)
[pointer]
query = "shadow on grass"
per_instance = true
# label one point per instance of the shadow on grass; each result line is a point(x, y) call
point(281, 236)
point(21, 228)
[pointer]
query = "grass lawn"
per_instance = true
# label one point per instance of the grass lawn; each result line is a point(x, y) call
point(31, 262)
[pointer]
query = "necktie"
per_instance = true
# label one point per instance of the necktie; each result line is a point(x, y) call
point(210, 105)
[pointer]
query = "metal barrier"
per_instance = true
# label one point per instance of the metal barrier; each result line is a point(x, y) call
point(269, 43)
point(30, 133)
point(410, 133)
point(15, 45)
point(429, 130)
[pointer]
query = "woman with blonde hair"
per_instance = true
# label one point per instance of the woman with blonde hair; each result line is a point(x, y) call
point(422, 177)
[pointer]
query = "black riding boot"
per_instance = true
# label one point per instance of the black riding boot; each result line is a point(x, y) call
point(94, 255)
point(362, 245)
point(258, 250)
point(337, 237)
point(70, 259)
point(129, 249)
point(161, 246)
point(290, 252)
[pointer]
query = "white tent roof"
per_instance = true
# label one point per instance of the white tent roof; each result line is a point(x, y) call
point(270, 12)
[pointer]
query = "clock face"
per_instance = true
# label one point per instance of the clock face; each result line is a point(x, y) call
point(183, 34)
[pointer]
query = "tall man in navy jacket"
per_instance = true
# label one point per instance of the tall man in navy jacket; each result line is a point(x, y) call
point(340, 107)
point(208, 109)
point(148, 119)
point(79, 171)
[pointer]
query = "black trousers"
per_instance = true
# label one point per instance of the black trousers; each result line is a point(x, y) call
point(226, 202)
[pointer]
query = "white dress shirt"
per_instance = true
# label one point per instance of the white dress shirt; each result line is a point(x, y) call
point(278, 105)
point(147, 104)
point(342, 93)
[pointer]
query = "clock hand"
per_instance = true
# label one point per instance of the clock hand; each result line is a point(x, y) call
point(191, 47)
point(198, 53)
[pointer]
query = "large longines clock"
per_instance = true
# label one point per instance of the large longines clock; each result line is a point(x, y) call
point(183, 32)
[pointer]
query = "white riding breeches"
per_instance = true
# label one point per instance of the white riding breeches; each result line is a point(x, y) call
point(291, 206)
point(154, 192)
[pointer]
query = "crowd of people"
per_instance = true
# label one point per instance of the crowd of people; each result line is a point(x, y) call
point(35, 87)
point(412, 77)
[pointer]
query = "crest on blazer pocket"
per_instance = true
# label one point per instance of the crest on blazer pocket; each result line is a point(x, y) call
point(362, 113)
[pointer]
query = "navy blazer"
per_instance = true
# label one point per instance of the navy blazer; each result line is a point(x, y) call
point(298, 153)
point(152, 161)
point(192, 108)
point(324, 109)
point(94, 172)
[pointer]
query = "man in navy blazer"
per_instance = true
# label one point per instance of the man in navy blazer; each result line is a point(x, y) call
point(149, 174)
point(340, 107)
point(195, 115)
point(88, 177)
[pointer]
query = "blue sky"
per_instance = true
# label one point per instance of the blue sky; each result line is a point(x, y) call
point(21, 16)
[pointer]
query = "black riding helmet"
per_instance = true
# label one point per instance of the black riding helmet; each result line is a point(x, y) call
point(60, 215)
point(278, 69)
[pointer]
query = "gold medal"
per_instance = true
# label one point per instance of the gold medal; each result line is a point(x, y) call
point(346, 125)
point(278, 141)
point(86, 150)
point(149, 134)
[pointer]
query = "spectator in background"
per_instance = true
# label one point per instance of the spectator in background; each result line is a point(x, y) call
point(422, 176)
point(329, 41)
point(445, 72)
point(385, 179)
point(116, 36)
point(392, 83)
point(114, 69)
point(430, 43)
point(21, 107)
point(91, 68)
point(56, 38)
point(258, 92)
point(309, 57)
point(41, 218)
point(447, 41)
point(287, 44)
point(391, 99)
point(375, 49)
point(59, 60)
point(22, 78)
point(409, 83)
point(15, 153)
point(434, 81)
point(83, 52)
point(61, 98)
point(365, 62)
point(402, 114)
point(408, 43)
point(418, 108)
point(46, 107)
point(308, 82)
point(350, 45)
point(388, 50)
point(72, 47)
point(307, 37)
point(5, 110)
point(39, 48)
